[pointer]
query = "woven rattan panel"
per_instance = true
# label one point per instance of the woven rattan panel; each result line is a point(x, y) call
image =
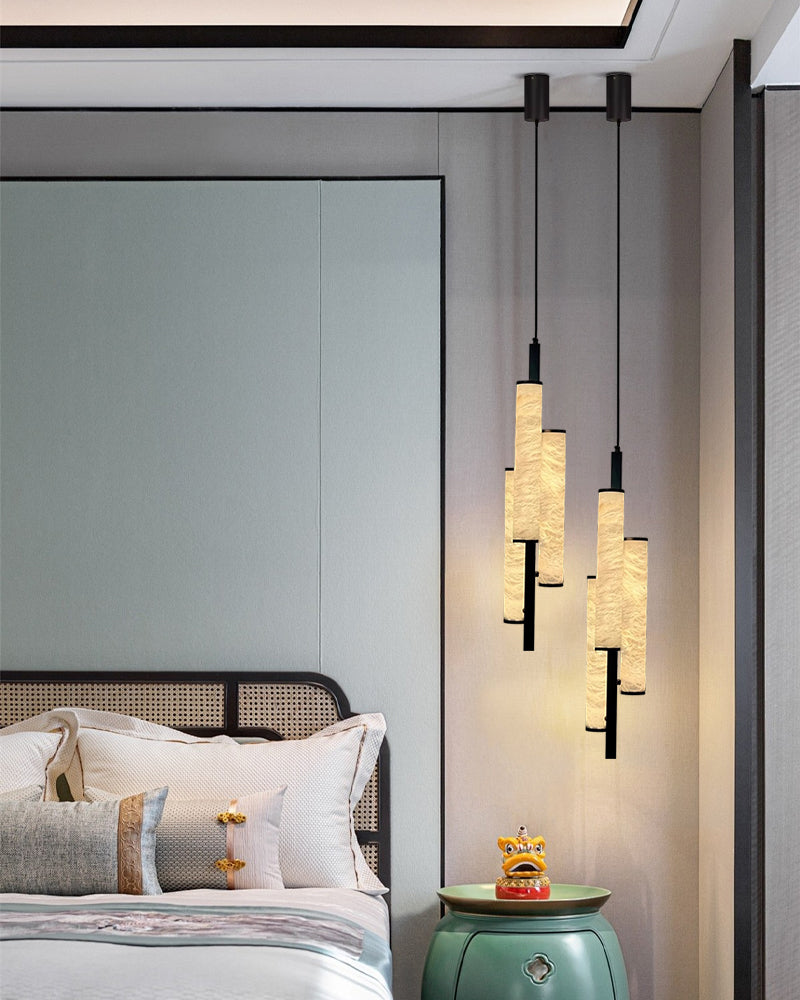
point(366, 812)
point(296, 711)
point(176, 705)
point(293, 710)
point(370, 852)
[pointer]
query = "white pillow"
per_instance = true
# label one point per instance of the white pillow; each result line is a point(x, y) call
point(33, 793)
point(324, 774)
point(198, 838)
point(24, 758)
point(63, 724)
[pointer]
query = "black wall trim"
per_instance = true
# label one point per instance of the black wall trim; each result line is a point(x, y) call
point(172, 178)
point(148, 36)
point(748, 917)
point(285, 109)
point(442, 528)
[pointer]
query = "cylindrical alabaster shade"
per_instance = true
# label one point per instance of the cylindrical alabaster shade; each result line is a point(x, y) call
point(527, 461)
point(596, 663)
point(514, 563)
point(634, 616)
point(551, 517)
point(610, 548)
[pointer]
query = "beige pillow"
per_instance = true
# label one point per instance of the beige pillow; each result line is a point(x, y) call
point(24, 758)
point(324, 774)
point(219, 843)
point(33, 793)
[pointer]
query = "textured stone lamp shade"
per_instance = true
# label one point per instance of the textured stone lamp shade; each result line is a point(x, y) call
point(527, 461)
point(610, 552)
point(634, 616)
point(534, 510)
point(596, 664)
point(551, 508)
point(514, 568)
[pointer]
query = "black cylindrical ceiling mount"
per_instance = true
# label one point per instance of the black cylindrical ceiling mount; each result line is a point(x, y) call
point(618, 97)
point(537, 97)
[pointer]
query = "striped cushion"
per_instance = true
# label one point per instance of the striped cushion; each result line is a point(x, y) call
point(76, 848)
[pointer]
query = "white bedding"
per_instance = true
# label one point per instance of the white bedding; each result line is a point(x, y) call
point(96, 970)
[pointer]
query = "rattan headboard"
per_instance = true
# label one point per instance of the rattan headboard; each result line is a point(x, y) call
point(280, 705)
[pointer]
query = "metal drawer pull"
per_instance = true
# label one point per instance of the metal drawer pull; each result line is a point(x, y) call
point(539, 968)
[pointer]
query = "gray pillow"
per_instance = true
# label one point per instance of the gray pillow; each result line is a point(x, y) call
point(75, 848)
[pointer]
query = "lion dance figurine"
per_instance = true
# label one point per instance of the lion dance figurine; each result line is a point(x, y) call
point(523, 868)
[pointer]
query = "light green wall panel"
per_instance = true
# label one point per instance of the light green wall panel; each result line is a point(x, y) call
point(160, 346)
point(381, 507)
point(221, 440)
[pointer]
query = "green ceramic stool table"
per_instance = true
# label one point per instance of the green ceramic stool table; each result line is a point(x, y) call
point(560, 948)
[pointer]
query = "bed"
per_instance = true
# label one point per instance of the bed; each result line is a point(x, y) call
point(269, 773)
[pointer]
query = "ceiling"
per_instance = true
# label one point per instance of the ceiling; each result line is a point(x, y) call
point(675, 51)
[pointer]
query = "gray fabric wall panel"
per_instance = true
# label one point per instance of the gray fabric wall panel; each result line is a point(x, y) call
point(782, 539)
point(220, 143)
point(516, 750)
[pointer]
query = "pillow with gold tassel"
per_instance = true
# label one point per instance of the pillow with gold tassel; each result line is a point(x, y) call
point(220, 842)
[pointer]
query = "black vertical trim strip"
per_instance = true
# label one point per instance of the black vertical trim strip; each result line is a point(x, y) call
point(442, 454)
point(231, 707)
point(759, 333)
point(612, 672)
point(748, 956)
point(529, 609)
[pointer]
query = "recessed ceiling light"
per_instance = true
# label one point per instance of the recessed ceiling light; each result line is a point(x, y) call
point(351, 23)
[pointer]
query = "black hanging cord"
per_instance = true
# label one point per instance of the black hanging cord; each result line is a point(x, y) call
point(618, 109)
point(536, 235)
point(537, 109)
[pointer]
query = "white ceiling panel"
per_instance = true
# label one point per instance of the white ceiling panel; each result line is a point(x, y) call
point(675, 52)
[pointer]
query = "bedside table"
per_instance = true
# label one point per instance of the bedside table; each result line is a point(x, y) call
point(559, 948)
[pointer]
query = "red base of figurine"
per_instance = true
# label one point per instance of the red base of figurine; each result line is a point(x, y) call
point(535, 891)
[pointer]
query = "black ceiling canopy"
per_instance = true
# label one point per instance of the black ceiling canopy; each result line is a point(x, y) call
point(261, 36)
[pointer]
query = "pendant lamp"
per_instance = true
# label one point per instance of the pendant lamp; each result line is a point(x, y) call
point(534, 501)
point(616, 606)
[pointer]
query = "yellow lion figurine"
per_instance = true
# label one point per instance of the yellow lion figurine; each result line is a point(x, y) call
point(523, 867)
